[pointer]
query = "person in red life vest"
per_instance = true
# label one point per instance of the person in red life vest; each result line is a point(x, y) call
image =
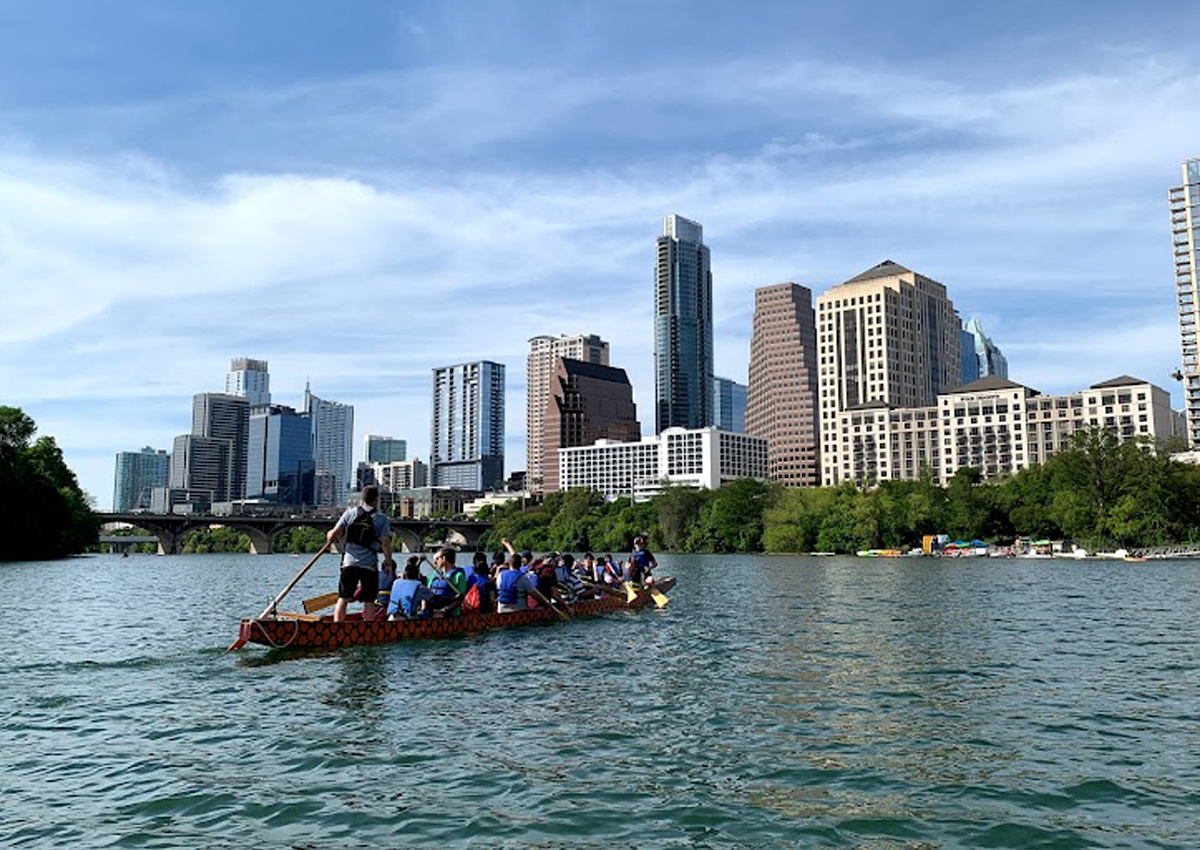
point(367, 533)
point(479, 585)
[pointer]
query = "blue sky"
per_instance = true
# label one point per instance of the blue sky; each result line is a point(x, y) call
point(359, 192)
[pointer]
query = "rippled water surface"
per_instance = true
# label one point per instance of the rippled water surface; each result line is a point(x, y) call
point(775, 702)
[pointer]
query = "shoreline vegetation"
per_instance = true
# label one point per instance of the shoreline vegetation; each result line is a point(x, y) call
point(1099, 492)
point(46, 514)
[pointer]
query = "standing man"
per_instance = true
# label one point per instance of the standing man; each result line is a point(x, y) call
point(641, 562)
point(367, 532)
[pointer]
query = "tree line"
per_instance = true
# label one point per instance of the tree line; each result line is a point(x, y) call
point(1100, 492)
point(45, 512)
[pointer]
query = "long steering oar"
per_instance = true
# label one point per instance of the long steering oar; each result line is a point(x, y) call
point(241, 641)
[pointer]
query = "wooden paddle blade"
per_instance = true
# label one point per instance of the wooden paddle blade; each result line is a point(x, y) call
point(630, 593)
point(319, 602)
point(660, 598)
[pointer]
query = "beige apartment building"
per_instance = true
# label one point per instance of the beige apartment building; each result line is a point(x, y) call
point(993, 425)
point(543, 352)
point(781, 400)
point(888, 336)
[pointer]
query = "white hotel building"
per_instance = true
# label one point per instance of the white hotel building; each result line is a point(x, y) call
point(704, 458)
point(995, 426)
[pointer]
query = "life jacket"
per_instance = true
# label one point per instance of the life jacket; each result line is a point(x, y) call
point(404, 592)
point(568, 581)
point(361, 532)
point(444, 588)
point(507, 590)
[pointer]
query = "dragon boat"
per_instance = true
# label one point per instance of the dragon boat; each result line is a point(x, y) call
point(301, 631)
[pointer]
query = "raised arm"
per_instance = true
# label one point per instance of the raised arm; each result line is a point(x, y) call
point(508, 546)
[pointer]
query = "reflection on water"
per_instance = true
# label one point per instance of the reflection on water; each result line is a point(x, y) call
point(774, 702)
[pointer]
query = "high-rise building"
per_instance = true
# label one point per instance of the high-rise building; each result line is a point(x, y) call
point(888, 335)
point(588, 402)
point(543, 351)
point(781, 401)
point(980, 356)
point(279, 464)
point(683, 327)
point(250, 380)
point(137, 474)
point(377, 449)
point(200, 465)
point(224, 417)
point(332, 447)
point(467, 428)
point(728, 405)
point(1185, 234)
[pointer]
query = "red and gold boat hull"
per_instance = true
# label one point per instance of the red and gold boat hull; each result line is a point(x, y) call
point(297, 632)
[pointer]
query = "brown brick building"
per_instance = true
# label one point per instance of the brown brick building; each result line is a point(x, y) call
point(781, 403)
point(588, 402)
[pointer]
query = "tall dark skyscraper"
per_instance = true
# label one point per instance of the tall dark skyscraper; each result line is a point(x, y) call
point(683, 332)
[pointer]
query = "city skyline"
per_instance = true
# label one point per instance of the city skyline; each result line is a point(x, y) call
point(189, 199)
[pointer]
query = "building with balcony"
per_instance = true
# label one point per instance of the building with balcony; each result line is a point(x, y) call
point(888, 336)
point(703, 458)
point(1185, 238)
point(994, 425)
point(467, 426)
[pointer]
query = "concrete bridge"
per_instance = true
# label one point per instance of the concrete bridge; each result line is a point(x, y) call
point(408, 535)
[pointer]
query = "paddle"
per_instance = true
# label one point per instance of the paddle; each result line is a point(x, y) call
point(241, 641)
point(603, 588)
point(316, 603)
point(660, 598)
point(319, 602)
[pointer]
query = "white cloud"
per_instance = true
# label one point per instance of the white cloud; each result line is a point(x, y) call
point(1043, 200)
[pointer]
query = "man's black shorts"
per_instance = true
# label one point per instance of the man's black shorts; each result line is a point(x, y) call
point(352, 577)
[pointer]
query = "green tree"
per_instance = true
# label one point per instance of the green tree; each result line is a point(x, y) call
point(50, 517)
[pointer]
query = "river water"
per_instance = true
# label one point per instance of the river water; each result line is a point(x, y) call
point(832, 702)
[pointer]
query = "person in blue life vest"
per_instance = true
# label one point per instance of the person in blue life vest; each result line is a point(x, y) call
point(514, 586)
point(366, 533)
point(410, 597)
point(448, 591)
point(641, 563)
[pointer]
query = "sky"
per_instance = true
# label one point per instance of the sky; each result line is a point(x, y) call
point(360, 192)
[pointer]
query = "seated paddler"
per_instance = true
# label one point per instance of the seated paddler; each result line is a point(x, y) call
point(451, 584)
point(410, 597)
